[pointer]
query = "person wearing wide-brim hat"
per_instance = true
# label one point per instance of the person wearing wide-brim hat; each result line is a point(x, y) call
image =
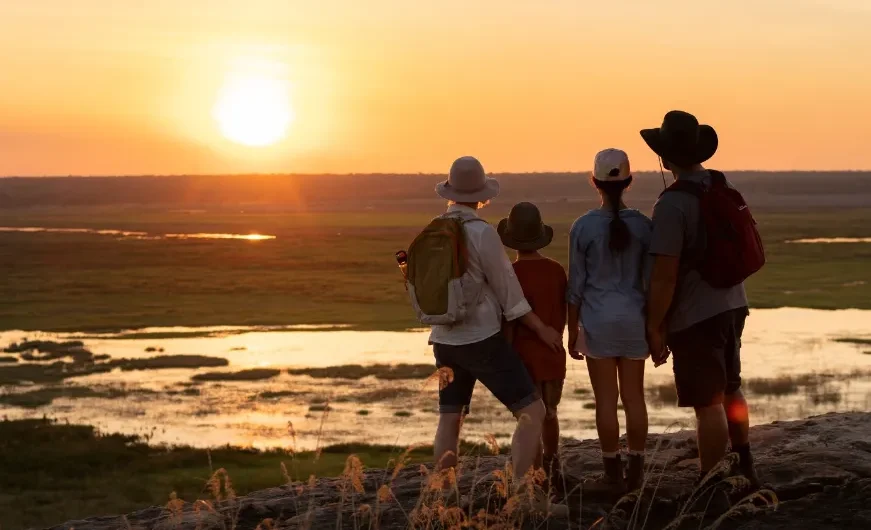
point(467, 183)
point(681, 141)
point(523, 230)
point(474, 349)
point(700, 326)
point(544, 284)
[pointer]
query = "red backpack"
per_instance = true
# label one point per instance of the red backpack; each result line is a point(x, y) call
point(733, 250)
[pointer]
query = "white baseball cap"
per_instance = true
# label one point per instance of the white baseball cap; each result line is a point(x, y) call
point(611, 165)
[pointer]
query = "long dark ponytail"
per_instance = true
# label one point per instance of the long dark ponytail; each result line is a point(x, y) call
point(619, 235)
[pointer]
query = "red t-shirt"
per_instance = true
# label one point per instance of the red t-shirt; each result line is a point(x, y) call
point(544, 286)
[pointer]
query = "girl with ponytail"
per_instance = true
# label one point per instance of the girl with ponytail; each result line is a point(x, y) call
point(608, 250)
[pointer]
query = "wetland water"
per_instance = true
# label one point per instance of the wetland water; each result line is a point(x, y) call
point(127, 234)
point(796, 362)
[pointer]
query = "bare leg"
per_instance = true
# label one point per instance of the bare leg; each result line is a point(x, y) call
point(739, 434)
point(539, 456)
point(631, 374)
point(739, 418)
point(526, 443)
point(550, 437)
point(447, 440)
point(603, 376)
point(713, 435)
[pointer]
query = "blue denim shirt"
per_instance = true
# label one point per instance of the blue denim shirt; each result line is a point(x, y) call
point(610, 288)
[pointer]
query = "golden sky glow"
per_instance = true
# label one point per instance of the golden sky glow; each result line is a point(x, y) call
point(167, 86)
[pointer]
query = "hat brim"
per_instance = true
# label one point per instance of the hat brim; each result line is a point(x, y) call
point(705, 149)
point(538, 243)
point(489, 191)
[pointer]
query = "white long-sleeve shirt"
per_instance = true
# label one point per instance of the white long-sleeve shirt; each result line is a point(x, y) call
point(501, 295)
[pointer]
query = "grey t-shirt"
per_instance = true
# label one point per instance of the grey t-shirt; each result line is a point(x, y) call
point(677, 232)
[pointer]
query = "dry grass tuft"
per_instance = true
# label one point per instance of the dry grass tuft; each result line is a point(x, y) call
point(220, 486)
point(352, 476)
point(385, 494)
point(403, 460)
point(175, 507)
point(747, 506)
point(444, 376)
point(492, 444)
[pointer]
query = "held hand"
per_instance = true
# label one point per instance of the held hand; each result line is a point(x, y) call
point(658, 348)
point(552, 338)
point(574, 352)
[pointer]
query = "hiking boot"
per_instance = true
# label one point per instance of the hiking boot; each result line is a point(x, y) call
point(614, 474)
point(749, 472)
point(635, 472)
point(746, 466)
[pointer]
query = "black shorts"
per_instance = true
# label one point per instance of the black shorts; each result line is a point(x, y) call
point(707, 359)
point(493, 362)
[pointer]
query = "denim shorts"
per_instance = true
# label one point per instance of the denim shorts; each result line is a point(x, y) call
point(493, 362)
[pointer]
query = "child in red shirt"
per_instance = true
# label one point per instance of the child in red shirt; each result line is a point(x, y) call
point(544, 285)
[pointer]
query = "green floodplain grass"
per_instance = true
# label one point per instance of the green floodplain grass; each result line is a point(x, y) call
point(54, 472)
point(326, 268)
point(323, 268)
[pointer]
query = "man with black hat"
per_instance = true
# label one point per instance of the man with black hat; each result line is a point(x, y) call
point(700, 324)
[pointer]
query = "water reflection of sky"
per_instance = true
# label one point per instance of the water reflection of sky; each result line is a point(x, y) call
point(829, 240)
point(777, 342)
point(127, 234)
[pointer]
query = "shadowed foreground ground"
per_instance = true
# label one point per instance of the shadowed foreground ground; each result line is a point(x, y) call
point(820, 469)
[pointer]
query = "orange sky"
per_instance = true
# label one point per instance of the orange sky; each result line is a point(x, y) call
point(129, 87)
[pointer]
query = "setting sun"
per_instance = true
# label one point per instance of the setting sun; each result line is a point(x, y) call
point(254, 109)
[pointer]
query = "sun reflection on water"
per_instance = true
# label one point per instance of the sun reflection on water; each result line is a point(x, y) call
point(831, 240)
point(246, 237)
point(126, 234)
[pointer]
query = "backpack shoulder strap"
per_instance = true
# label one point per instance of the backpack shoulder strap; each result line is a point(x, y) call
point(463, 219)
point(717, 178)
point(685, 186)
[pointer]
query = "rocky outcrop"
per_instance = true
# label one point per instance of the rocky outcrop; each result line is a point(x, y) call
point(818, 468)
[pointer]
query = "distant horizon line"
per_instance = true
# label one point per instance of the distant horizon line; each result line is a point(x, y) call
point(401, 174)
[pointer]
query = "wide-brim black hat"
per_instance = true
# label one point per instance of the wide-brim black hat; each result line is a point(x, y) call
point(681, 139)
point(523, 229)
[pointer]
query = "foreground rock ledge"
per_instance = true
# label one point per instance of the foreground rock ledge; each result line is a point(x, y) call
point(820, 469)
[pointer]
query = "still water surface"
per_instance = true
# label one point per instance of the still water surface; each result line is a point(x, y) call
point(169, 407)
point(128, 234)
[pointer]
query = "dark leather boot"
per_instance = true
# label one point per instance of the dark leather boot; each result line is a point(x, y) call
point(747, 468)
point(635, 472)
point(614, 474)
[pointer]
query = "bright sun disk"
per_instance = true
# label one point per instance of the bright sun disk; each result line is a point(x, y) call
point(254, 110)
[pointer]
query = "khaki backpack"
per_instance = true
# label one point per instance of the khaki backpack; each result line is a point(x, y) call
point(438, 284)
